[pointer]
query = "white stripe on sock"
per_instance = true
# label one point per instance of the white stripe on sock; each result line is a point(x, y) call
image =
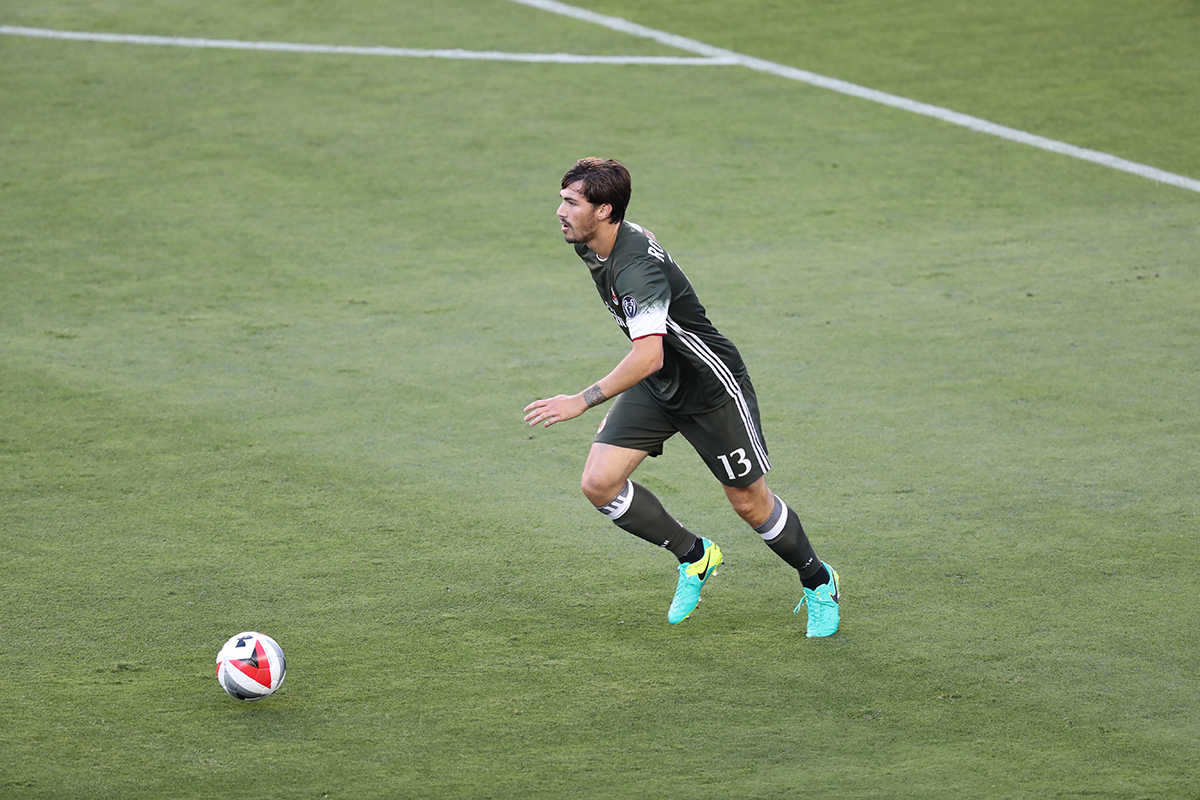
point(620, 504)
point(773, 531)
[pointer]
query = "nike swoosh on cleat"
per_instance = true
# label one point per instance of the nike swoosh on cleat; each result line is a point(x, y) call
point(707, 568)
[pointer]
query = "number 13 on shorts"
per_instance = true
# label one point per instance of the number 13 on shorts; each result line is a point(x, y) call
point(736, 464)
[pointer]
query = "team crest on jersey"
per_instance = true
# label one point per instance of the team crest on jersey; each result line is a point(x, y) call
point(629, 306)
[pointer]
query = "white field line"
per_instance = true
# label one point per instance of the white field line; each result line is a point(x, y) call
point(708, 55)
point(468, 55)
point(862, 92)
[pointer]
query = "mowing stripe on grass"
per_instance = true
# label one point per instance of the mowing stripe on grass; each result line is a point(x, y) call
point(864, 93)
point(709, 56)
point(468, 55)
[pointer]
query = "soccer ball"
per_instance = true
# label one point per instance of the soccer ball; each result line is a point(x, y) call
point(250, 666)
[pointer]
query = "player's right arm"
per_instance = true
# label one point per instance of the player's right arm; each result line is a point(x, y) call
point(644, 359)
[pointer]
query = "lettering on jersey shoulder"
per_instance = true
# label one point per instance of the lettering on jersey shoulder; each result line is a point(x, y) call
point(629, 305)
point(656, 250)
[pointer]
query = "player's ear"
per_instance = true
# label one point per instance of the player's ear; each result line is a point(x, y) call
point(604, 212)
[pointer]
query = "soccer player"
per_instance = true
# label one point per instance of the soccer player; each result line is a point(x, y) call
point(680, 376)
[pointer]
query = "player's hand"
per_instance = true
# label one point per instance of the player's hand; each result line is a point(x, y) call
point(554, 409)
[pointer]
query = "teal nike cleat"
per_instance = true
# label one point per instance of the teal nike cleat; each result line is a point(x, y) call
point(824, 612)
point(692, 578)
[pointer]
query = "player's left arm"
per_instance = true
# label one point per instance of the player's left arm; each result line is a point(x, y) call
point(644, 359)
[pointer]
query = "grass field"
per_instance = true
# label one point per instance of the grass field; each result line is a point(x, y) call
point(269, 321)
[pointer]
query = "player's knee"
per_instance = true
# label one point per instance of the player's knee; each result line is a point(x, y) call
point(598, 492)
point(745, 507)
point(753, 504)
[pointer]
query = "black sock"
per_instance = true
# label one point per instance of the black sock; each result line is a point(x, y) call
point(695, 554)
point(636, 510)
point(784, 534)
point(817, 579)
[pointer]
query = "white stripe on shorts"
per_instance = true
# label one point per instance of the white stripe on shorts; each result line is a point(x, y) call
point(722, 372)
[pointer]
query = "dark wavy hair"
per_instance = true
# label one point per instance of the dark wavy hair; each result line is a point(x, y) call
point(604, 181)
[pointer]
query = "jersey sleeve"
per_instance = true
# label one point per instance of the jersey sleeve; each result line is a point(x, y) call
point(645, 296)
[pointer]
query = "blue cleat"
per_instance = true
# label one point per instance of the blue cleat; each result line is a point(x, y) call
point(823, 609)
point(692, 578)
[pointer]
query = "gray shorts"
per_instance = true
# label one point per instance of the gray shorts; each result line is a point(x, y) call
point(729, 439)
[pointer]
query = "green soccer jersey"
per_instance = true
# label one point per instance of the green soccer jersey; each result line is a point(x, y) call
point(648, 294)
